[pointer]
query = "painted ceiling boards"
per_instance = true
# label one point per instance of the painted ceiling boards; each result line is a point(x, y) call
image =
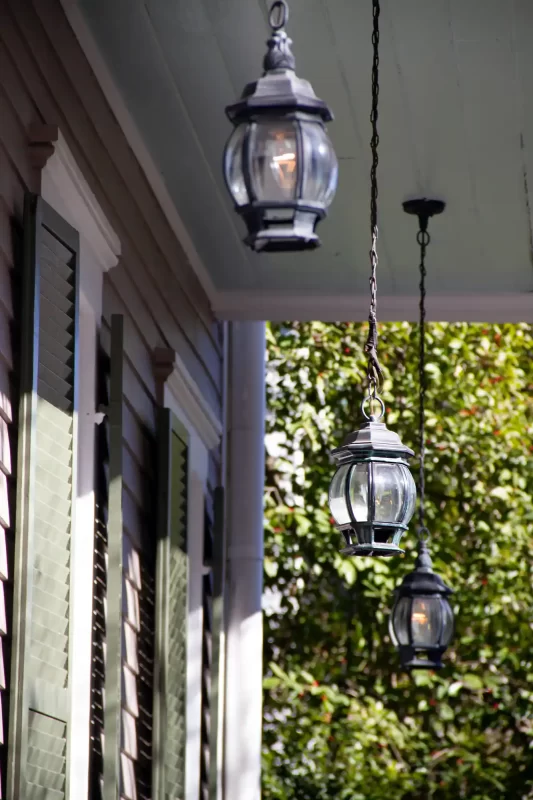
point(456, 123)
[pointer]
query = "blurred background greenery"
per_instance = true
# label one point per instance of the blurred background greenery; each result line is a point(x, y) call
point(342, 720)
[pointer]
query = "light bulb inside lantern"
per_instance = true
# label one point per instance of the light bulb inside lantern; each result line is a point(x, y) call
point(423, 620)
point(274, 161)
point(283, 161)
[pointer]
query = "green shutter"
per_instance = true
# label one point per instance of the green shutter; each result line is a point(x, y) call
point(98, 663)
point(46, 479)
point(170, 688)
point(124, 599)
point(113, 622)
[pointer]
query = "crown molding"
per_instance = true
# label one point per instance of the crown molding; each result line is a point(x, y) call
point(65, 188)
point(511, 307)
point(172, 374)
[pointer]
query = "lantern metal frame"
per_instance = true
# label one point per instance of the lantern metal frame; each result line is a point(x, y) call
point(371, 444)
point(422, 582)
point(280, 96)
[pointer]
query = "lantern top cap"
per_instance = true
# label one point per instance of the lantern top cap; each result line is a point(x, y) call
point(279, 88)
point(422, 580)
point(372, 436)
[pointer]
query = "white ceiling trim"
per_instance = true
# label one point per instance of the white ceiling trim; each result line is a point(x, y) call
point(512, 307)
point(136, 142)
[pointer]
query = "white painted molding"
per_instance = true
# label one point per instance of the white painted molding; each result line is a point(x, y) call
point(260, 305)
point(188, 397)
point(65, 189)
point(103, 75)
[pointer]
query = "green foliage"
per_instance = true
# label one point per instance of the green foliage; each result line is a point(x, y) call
point(342, 721)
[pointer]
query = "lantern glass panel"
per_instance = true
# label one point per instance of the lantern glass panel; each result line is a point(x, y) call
point(401, 618)
point(337, 496)
point(274, 160)
point(320, 165)
point(426, 621)
point(410, 495)
point(233, 166)
point(447, 622)
point(389, 492)
point(359, 492)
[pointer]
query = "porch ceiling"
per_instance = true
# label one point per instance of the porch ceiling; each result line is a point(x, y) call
point(456, 122)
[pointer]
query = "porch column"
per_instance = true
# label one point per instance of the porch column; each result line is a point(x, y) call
point(244, 576)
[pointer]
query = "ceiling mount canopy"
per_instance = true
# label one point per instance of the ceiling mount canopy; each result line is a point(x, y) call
point(279, 164)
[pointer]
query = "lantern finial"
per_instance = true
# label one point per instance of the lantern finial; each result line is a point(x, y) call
point(423, 562)
point(279, 55)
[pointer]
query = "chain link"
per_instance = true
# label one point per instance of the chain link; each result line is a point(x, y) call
point(374, 368)
point(279, 15)
point(423, 240)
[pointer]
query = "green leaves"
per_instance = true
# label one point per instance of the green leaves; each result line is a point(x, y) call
point(341, 719)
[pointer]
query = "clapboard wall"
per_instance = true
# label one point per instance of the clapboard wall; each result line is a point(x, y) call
point(45, 80)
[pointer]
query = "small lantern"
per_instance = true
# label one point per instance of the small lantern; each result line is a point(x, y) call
point(279, 163)
point(421, 625)
point(372, 495)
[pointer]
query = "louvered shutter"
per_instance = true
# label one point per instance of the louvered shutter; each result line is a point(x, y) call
point(124, 599)
point(213, 611)
point(114, 558)
point(40, 698)
point(170, 690)
point(98, 661)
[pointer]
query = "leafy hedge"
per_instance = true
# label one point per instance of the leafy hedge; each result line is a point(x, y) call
point(342, 721)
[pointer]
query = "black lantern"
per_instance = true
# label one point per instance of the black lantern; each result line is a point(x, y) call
point(421, 625)
point(372, 495)
point(279, 163)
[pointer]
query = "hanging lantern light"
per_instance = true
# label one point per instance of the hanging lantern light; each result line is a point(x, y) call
point(372, 495)
point(279, 164)
point(421, 624)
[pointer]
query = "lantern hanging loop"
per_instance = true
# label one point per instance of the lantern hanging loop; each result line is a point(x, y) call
point(369, 399)
point(279, 15)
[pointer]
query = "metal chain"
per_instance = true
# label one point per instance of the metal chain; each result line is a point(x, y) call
point(423, 240)
point(374, 368)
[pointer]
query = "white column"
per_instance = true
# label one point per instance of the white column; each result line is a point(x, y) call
point(244, 575)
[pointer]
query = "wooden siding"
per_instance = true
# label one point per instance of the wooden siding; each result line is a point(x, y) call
point(45, 77)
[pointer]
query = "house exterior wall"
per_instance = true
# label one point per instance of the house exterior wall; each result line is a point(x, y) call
point(46, 84)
